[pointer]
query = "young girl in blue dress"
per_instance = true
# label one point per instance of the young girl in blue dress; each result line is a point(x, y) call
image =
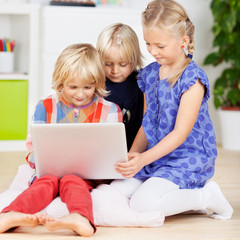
point(173, 155)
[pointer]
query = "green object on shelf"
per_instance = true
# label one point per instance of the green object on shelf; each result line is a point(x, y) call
point(13, 109)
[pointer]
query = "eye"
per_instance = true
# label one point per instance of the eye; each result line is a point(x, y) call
point(72, 87)
point(123, 64)
point(160, 46)
point(88, 87)
point(108, 64)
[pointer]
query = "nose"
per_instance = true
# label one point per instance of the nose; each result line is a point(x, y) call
point(80, 93)
point(115, 68)
point(152, 50)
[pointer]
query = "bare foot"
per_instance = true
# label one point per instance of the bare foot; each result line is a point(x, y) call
point(15, 219)
point(43, 218)
point(74, 222)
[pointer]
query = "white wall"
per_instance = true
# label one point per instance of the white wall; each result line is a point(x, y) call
point(200, 14)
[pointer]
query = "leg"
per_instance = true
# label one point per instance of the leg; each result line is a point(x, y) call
point(32, 200)
point(127, 186)
point(149, 195)
point(36, 197)
point(111, 206)
point(75, 192)
point(209, 197)
point(160, 194)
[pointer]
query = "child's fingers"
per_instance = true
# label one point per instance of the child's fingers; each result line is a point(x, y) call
point(123, 169)
point(126, 171)
point(129, 174)
point(122, 164)
point(132, 155)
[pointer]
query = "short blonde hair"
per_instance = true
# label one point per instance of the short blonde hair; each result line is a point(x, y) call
point(83, 60)
point(170, 16)
point(126, 39)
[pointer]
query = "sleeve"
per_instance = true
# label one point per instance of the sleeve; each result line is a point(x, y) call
point(140, 80)
point(115, 114)
point(147, 76)
point(38, 117)
point(190, 76)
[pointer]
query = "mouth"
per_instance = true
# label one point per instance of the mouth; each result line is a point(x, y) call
point(115, 77)
point(79, 99)
point(158, 58)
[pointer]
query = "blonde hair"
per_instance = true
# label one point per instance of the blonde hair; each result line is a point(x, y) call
point(126, 39)
point(83, 60)
point(170, 16)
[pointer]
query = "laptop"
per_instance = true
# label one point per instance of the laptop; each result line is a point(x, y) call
point(89, 150)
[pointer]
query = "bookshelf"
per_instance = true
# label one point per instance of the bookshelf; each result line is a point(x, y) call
point(21, 87)
point(51, 29)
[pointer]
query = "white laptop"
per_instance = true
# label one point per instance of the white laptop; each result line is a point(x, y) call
point(89, 150)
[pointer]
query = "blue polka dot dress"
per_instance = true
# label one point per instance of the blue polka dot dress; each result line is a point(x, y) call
point(192, 163)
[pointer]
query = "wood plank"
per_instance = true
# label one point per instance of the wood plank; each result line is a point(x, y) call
point(186, 227)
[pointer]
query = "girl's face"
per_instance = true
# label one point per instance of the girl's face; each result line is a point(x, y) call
point(77, 93)
point(116, 69)
point(162, 46)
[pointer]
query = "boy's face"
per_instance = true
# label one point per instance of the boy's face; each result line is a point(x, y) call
point(116, 69)
point(78, 93)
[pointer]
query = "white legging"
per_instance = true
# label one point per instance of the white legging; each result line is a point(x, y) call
point(158, 194)
point(132, 202)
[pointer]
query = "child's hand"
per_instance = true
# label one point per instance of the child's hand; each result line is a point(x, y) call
point(131, 167)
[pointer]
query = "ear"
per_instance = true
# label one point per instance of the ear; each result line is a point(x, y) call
point(185, 41)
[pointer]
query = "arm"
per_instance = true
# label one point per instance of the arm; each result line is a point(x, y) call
point(38, 117)
point(187, 114)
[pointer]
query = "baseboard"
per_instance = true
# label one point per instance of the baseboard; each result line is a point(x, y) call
point(12, 145)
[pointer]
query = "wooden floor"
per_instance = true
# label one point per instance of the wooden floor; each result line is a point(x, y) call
point(187, 227)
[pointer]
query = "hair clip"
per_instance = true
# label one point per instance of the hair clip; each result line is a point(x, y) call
point(190, 56)
point(117, 38)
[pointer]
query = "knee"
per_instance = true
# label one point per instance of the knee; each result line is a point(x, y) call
point(47, 179)
point(127, 186)
point(140, 203)
point(73, 180)
point(49, 182)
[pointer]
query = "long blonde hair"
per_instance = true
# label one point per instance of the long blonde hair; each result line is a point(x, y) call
point(124, 37)
point(170, 16)
point(83, 60)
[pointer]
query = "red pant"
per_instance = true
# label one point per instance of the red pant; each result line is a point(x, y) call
point(73, 190)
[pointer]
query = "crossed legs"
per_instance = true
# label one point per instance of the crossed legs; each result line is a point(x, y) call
point(74, 192)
